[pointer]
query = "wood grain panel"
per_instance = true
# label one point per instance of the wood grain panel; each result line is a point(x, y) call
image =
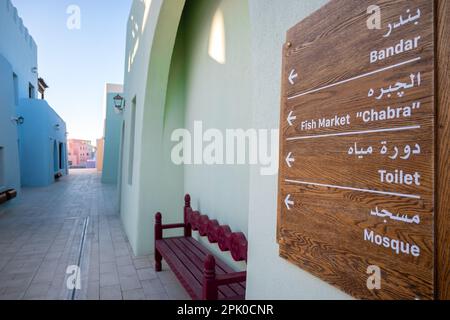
point(352, 193)
point(443, 214)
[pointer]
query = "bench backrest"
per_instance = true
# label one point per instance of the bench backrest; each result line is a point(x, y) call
point(235, 242)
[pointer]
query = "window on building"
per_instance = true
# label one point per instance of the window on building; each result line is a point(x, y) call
point(16, 89)
point(31, 93)
point(2, 168)
point(132, 136)
point(55, 157)
point(61, 156)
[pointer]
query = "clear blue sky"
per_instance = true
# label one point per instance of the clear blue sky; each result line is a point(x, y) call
point(76, 64)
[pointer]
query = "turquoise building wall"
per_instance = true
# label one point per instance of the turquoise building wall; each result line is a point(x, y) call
point(9, 153)
point(30, 151)
point(18, 71)
point(19, 48)
point(41, 137)
point(113, 132)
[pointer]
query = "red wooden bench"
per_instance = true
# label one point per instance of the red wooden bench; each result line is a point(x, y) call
point(204, 276)
point(7, 195)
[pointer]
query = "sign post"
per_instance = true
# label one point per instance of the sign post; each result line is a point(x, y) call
point(356, 189)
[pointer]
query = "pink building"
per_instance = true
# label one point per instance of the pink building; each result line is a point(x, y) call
point(80, 152)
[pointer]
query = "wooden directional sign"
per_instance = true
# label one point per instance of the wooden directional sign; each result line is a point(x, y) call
point(356, 188)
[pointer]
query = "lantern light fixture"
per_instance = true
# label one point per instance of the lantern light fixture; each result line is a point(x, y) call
point(119, 103)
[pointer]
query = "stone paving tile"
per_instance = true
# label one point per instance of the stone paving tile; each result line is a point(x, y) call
point(176, 292)
point(135, 294)
point(108, 267)
point(146, 274)
point(93, 291)
point(11, 296)
point(124, 261)
point(127, 271)
point(111, 293)
point(142, 263)
point(109, 279)
point(167, 277)
point(153, 287)
point(130, 283)
point(37, 291)
point(158, 296)
point(40, 234)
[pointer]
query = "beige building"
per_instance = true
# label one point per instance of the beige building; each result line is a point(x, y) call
point(100, 152)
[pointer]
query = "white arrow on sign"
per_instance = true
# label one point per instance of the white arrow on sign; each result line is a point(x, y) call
point(293, 75)
point(289, 160)
point(288, 202)
point(291, 118)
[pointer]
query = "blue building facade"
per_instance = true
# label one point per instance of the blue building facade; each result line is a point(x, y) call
point(43, 144)
point(32, 135)
point(9, 152)
point(113, 135)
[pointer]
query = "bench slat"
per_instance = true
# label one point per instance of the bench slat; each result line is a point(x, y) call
point(189, 282)
point(221, 267)
point(192, 262)
point(187, 250)
point(196, 269)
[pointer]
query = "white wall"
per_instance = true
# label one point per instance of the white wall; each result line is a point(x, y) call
point(18, 47)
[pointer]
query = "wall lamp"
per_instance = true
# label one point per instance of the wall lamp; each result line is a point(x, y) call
point(18, 121)
point(119, 103)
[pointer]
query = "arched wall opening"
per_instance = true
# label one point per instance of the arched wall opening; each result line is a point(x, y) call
point(204, 62)
point(153, 29)
point(210, 85)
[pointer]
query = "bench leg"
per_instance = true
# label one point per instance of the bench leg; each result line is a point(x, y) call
point(210, 289)
point(158, 236)
point(158, 261)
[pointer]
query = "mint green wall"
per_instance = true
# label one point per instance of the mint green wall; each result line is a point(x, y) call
point(172, 177)
point(195, 92)
point(219, 95)
point(211, 94)
point(269, 276)
point(113, 130)
point(154, 24)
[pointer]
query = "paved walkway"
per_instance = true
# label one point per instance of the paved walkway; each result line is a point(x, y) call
point(74, 222)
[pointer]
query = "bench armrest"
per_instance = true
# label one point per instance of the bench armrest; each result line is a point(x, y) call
point(225, 279)
point(160, 227)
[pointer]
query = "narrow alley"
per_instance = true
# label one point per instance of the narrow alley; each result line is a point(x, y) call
point(74, 222)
